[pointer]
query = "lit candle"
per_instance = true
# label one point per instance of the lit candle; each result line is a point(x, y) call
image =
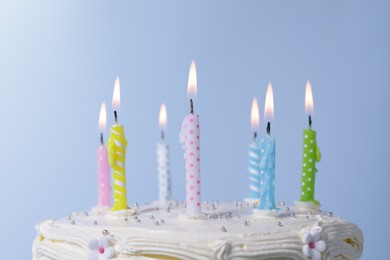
point(163, 159)
point(254, 157)
point(311, 152)
point(190, 140)
point(267, 155)
point(104, 190)
point(117, 154)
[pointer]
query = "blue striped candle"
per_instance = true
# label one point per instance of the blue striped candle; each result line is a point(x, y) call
point(254, 157)
point(254, 171)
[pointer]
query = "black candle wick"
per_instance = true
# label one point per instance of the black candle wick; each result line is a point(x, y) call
point(268, 128)
point(162, 135)
point(191, 106)
point(116, 116)
point(254, 136)
point(101, 139)
point(310, 121)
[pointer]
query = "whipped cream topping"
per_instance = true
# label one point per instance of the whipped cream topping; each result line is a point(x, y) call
point(226, 231)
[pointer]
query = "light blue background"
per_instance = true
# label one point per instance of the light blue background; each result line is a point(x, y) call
point(59, 60)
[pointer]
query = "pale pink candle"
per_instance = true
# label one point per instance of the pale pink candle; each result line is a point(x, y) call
point(103, 169)
point(190, 140)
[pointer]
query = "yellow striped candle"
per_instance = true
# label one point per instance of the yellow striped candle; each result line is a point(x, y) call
point(116, 146)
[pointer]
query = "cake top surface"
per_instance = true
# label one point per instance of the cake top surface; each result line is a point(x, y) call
point(228, 230)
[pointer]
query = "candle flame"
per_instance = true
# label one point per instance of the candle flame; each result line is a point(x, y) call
point(255, 116)
point(269, 104)
point(309, 104)
point(192, 81)
point(162, 119)
point(102, 117)
point(116, 96)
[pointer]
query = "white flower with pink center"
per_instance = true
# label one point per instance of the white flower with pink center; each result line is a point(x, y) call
point(313, 245)
point(100, 249)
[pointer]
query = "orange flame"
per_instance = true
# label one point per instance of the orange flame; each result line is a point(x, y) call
point(309, 104)
point(116, 96)
point(102, 117)
point(192, 81)
point(162, 119)
point(255, 116)
point(269, 104)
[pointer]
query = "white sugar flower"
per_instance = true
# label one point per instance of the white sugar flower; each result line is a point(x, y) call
point(100, 249)
point(313, 245)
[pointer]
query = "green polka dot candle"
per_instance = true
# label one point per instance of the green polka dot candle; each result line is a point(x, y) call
point(311, 154)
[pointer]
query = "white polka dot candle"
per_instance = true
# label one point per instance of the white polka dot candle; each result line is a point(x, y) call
point(103, 169)
point(163, 160)
point(311, 153)
point(190, 140)
point(267, 155)
point(254, 157)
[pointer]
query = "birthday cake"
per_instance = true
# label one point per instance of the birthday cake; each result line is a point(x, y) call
point(228, 230)
point(255, 229)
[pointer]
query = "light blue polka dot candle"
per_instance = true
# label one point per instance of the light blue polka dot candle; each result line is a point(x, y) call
point(267, 173)
point(267, 155)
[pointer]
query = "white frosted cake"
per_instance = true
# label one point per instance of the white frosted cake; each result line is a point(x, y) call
point(226, 231)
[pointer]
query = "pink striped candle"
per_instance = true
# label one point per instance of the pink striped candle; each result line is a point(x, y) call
point(103, 169)
point(190, 140)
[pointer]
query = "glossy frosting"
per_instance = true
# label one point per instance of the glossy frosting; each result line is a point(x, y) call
point(227, 231)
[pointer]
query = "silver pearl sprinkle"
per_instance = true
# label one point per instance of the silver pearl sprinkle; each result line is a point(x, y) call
point(245, 223)
point(156, 223)
point(68, 218)
point(151, 217)
point(330, 214)
point(85, 214)
point(309, 212)
point(293, 215)
point(135, 205)
point(212, 206)
point(229, 214)
point(253, 205)
point(162, 221)
point(95, 222)
point(138, 220)
point(134, 217)
point(223, 228)
point(168, 209)
point(280, 224)
point(287, 208)
point(72, 222)
point(307, 217)
point(105, 232)
point(282, 203)
point(126, 219)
